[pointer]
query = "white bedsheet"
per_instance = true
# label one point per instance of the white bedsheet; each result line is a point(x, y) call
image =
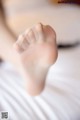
point(59, 101)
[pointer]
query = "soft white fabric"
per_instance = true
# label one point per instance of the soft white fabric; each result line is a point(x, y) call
point(59, 101)
point(65, 20)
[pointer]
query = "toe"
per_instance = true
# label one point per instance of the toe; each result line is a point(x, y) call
point(50, 34)
point(18, 48)
point(18, 44)
point(25, 43)
point(39, 33)
point(21, 43)
point(30, 36)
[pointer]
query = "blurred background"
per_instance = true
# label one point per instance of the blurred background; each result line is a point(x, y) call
point(22, 14)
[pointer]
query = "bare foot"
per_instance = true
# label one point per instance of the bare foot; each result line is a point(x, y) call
point(38, 51)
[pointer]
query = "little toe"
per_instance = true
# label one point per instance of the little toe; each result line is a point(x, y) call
point(18, 48)
point(18, 44)
point(21, 43)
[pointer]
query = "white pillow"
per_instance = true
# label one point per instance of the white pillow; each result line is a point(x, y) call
point(70, 34)
point(65, 19)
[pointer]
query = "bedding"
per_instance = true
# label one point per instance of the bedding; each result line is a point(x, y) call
point(60, 99)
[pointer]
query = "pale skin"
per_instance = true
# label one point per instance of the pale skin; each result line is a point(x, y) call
point(33, 53)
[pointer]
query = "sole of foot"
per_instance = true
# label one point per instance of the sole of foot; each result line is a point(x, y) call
point(38, 51)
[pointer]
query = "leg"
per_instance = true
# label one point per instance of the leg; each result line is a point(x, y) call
point(38, 51)
point(7, 40)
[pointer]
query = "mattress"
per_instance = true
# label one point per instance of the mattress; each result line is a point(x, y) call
point(60, 99)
